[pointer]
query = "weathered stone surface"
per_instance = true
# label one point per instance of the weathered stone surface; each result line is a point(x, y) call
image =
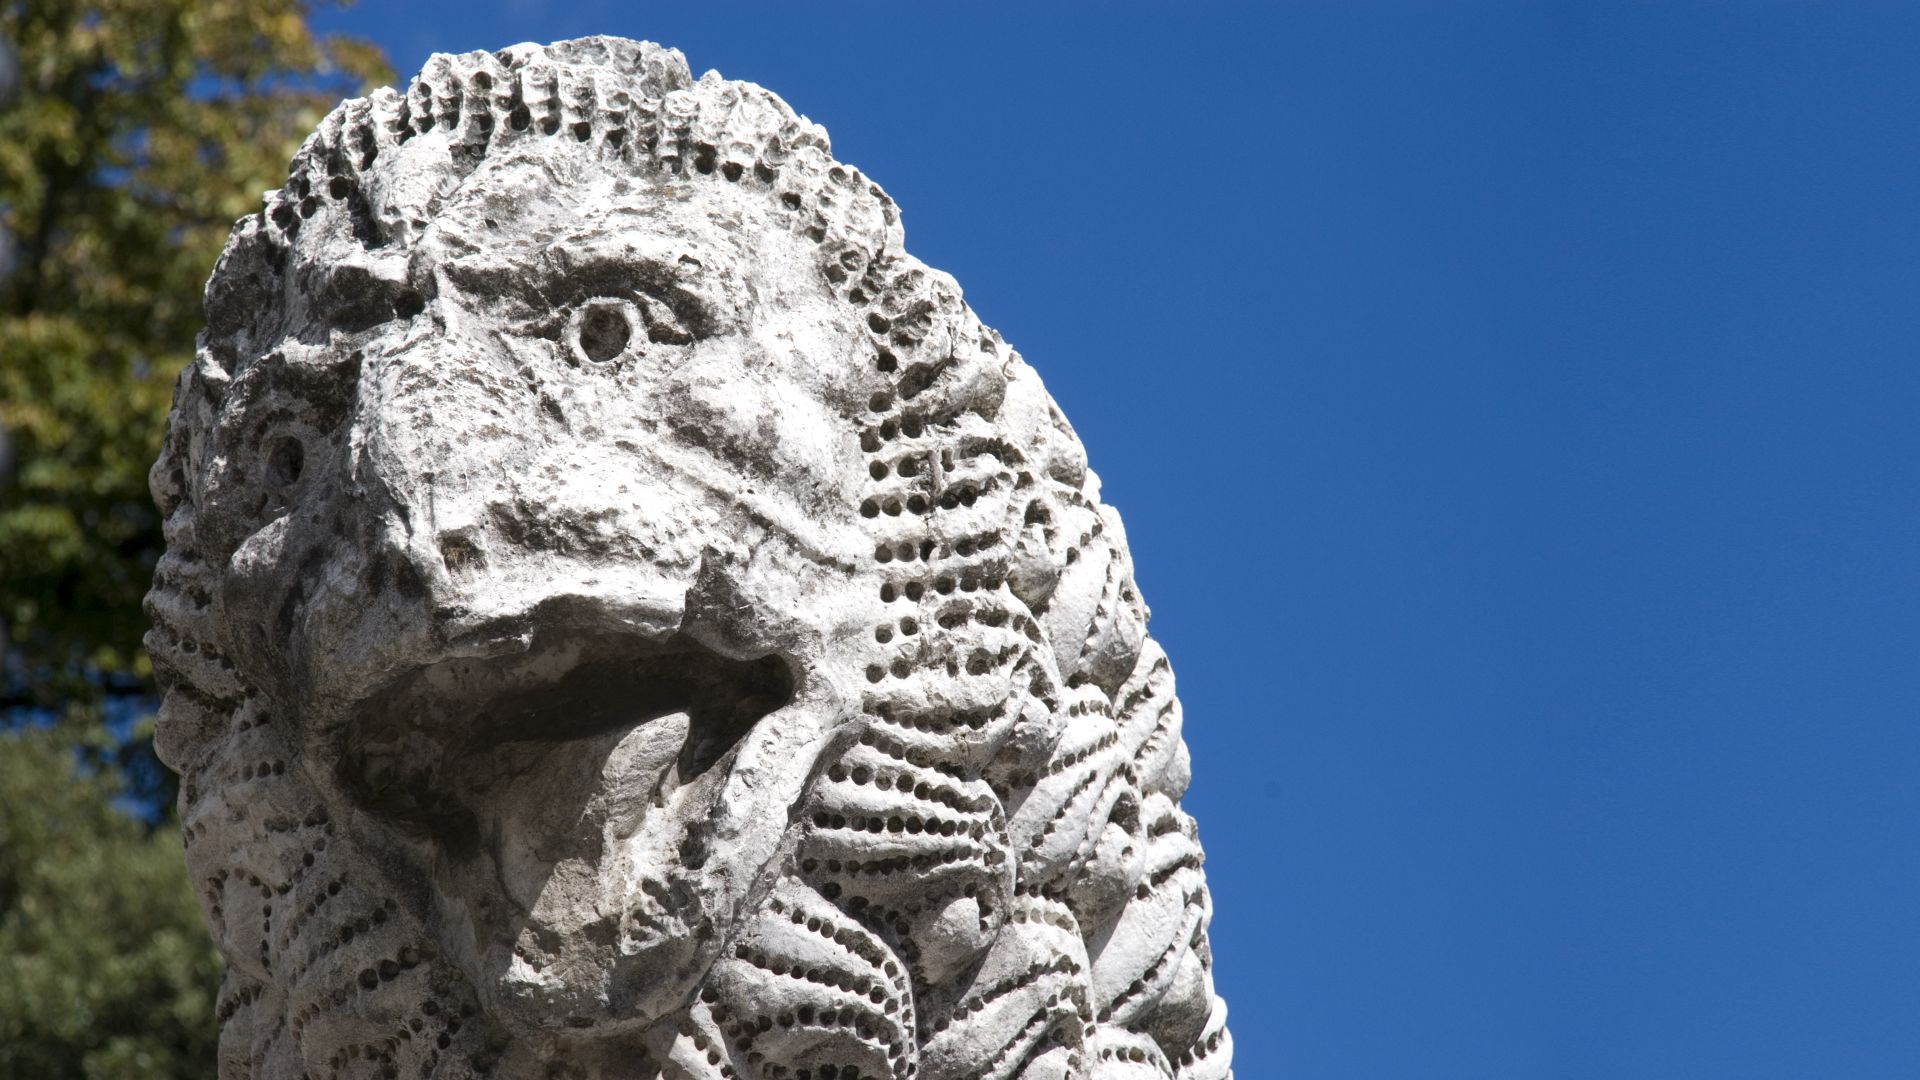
point(626, 617)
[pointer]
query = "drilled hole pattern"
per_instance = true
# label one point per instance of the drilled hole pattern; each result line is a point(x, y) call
point(993, 879)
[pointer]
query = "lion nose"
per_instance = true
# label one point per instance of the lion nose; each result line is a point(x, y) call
point(506, 518)
point(481, 588)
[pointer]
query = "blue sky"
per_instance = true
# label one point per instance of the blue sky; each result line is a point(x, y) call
point(1516, 417)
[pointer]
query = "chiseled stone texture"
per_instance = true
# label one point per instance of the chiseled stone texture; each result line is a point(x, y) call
point(624, 617)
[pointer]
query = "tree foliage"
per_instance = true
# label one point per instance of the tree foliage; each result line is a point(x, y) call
point(106, 970)
point(142, 130)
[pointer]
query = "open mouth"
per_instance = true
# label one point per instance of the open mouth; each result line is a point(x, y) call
point(447, 748)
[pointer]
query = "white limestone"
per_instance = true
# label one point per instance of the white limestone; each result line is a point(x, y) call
point(626, 617)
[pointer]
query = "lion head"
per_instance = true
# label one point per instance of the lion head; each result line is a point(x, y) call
point(624, 616)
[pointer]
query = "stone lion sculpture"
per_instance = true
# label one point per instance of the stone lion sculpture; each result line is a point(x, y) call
point(623, 616)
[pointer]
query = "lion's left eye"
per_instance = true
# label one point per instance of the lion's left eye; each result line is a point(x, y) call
point(605, 330)
point(601, 331)
point(286, 459)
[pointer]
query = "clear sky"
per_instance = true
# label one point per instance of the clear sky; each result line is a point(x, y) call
point(1515, 410)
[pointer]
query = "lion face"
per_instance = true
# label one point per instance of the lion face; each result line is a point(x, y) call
point(540, 567)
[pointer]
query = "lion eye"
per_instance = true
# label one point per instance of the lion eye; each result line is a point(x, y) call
point(602, 329)
point(286, 459)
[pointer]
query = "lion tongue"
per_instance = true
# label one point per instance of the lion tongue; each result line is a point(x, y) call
point(557, 830)
point(636, 769)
